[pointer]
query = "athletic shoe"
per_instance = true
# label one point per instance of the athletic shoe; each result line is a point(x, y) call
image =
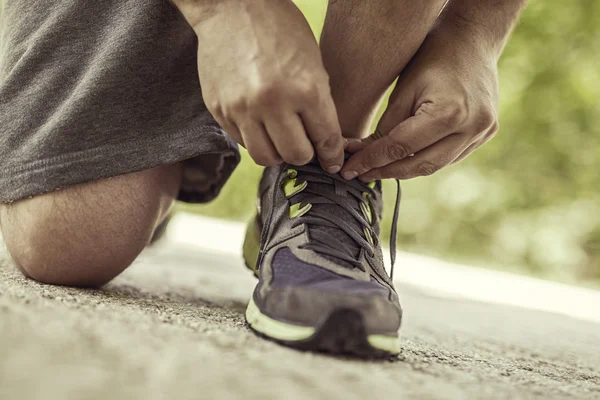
point(314, 245)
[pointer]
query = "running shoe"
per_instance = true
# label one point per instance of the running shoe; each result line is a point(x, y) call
point(314, 246)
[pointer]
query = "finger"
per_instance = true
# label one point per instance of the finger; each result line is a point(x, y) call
point(231, 130)
point(411, 136)
point(399, 109)
point(324, 131)
point(425, 162)
point(482, 139)
point(467, 151)
point(259, 145)
point(289, 137)
point(355, 145)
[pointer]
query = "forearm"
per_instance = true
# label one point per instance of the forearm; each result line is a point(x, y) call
point(486, 24)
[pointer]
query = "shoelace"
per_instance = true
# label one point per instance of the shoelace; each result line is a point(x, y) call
point(315, 217)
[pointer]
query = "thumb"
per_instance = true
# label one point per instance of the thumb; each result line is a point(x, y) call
point(409, 137)
point(398, 110)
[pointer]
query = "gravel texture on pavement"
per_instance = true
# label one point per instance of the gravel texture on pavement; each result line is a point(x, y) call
point(173, 326)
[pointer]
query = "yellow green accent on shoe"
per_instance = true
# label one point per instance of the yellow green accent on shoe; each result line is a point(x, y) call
point(276, 329)
point(297, 210)
point(251, 247)
point(290, 188)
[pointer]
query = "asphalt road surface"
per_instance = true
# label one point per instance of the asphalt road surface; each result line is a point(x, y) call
point(172, 327)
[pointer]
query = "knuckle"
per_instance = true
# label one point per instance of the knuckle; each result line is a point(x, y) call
point(332, 142)
point(268, 94)
point(495, 126)
point(367, 162)
point(397, 150)
point(427, 168)
point(455, 114)
point(215, 108)
point(443, 159)
point(485, 120)
point(235, 106)
point(311, 92)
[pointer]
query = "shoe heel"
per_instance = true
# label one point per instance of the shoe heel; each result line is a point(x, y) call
point(251, 247)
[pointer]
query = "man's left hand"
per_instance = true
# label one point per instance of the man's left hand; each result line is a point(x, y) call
point(444, 107)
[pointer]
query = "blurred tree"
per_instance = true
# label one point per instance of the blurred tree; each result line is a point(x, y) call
point(530, 199)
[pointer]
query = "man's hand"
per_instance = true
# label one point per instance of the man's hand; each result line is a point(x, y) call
point(263, 80)
point(445, 103)
point(443, 108)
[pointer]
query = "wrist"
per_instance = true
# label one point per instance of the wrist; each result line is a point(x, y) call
point(460, 44)
point(482, 26)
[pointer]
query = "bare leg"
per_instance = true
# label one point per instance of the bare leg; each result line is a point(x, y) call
point(88, 234)
point(365, 46)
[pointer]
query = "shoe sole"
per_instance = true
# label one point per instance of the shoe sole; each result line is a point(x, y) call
point(343, 333)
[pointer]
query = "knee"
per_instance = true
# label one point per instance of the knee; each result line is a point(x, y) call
point(83, 236)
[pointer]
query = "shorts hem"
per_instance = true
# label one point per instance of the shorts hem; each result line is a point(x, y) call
point(60, 172)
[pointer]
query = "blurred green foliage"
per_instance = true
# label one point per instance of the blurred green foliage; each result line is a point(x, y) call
point(529, 201)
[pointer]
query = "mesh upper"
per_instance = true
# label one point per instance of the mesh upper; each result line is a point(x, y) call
point(289, 271)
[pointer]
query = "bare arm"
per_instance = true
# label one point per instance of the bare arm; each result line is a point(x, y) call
point(365, 45)
point(263, 80)
point(445, 104)
point(488, 22)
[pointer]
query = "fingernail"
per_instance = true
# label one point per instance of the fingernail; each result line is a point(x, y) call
point(346, 143)
point(334, 169)
point(348, 175)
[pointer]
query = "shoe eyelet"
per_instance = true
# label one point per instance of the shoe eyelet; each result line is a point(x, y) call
point(290, 188)
point(297, 210)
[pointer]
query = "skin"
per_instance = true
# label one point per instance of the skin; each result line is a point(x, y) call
point(264, 81)
point(268, 87)
point(285, 99)
point(445, 103)
point(358, 57)
point(88, 234)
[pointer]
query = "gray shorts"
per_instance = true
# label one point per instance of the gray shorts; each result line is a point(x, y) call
point(95, 89)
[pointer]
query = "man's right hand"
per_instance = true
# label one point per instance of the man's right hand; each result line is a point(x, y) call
point(264, 81)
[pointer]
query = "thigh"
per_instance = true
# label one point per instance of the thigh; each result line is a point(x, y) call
point(87, 234)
